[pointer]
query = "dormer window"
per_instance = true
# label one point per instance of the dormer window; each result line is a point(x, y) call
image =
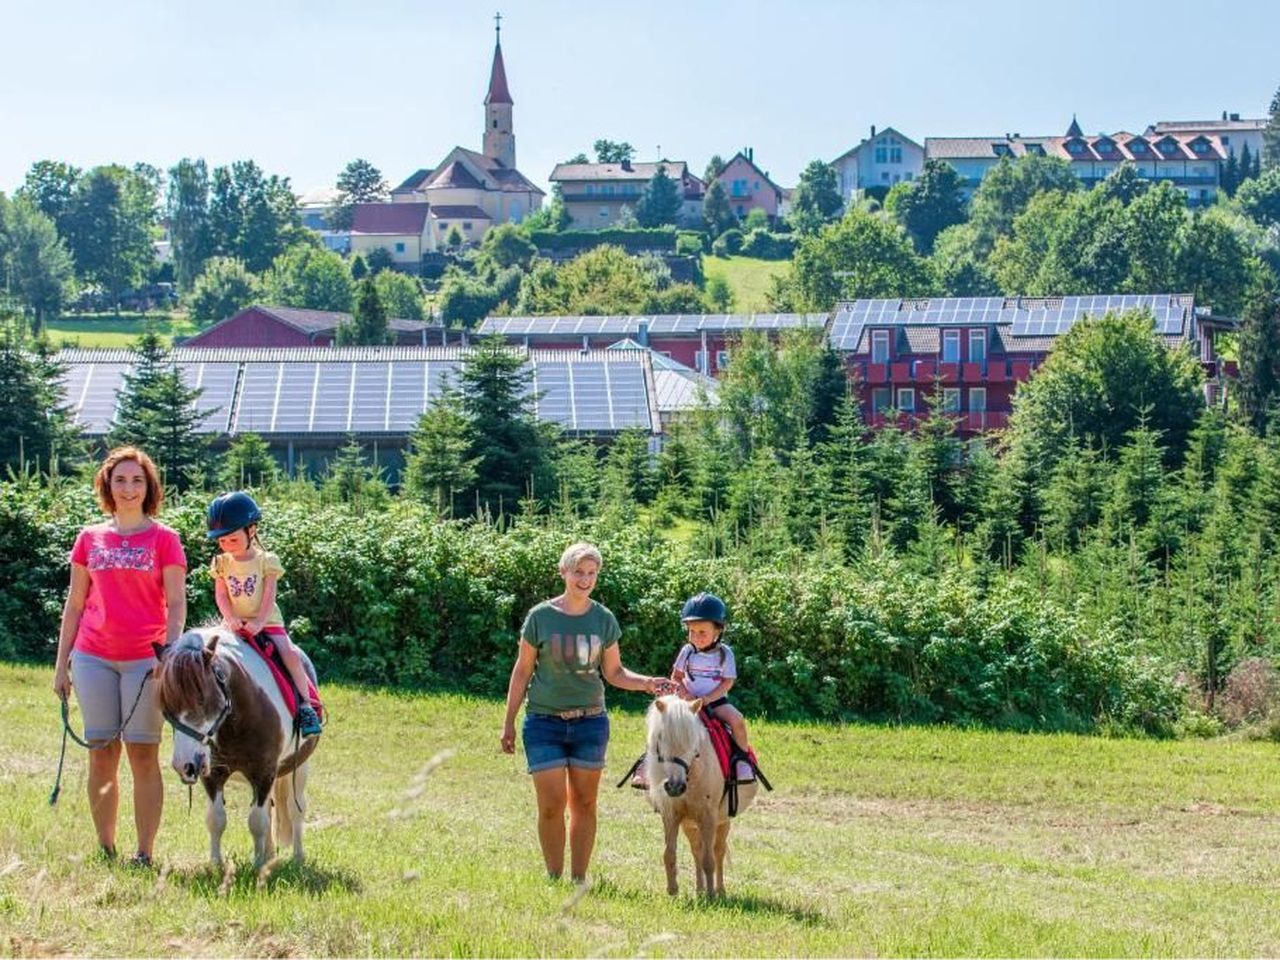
point(1035, 149)
point(1075, 146)
point(1137, 147)
point(1001, 149)
point(1104, 145)
point(1200, 145)
point(1168, 147)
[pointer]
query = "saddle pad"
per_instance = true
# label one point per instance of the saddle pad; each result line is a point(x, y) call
point(722, 742)
point(266, 649)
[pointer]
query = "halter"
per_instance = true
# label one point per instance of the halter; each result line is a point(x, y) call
point(678, 761)
point(206, 738)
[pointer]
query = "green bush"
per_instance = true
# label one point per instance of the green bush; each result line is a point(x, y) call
point(394, 596)
point(764, 245)
point(728, 244)
point(690, 243)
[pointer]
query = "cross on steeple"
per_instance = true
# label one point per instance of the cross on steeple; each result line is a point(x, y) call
point(497, 26)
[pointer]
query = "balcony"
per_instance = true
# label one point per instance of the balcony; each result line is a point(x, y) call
point(974, 373)
point(925, 370)
point(874, 372)
point(1019, 370)
point(976, 421)
point(948, 372)
point(900, 372)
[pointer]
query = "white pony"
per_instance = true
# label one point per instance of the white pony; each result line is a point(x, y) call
point(686, 786)
point(228, 718)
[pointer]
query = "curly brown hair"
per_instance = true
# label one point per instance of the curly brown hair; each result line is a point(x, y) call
point(102, 480)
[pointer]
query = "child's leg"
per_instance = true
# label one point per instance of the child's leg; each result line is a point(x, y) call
point(293, 662)
point(737, 724)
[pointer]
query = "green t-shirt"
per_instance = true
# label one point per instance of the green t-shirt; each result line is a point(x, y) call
point(567, 673)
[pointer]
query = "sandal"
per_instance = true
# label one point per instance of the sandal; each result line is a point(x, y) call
point(141, 860)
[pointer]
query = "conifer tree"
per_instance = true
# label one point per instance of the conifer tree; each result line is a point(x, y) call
point(437, 469)
point(36, 428)
point(247, 463)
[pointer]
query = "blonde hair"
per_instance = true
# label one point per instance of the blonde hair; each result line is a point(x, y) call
point(575, 553)
point(102, 480)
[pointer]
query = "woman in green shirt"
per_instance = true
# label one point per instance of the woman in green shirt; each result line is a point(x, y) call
point(567, 644)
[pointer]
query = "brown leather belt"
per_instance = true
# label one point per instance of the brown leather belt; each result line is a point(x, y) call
point(578, 714)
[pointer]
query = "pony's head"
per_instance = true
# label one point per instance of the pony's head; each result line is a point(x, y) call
point(193, 692)
point(675, 740)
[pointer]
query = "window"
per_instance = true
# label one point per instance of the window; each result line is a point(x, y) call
point(950, 399)
point(1226, 141)
point(722, 359)
point(466, 226)
point(879, 346)
point(907, 176)
point(756, 185)
point(882, 155)
point(604, 212)
point(1200, 146)
point(885, 176)
point(977, 346)
point(700, 361)
point(895, 154)
point(880, 399)
point(907, 399)
point(1001, 149)
point(977, 399)
point(1075, 146)
point(399, 248)
point(950, 346)
point(1137, 148)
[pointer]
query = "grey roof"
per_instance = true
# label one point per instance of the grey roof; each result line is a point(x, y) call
point(676, 170)
point(678, 387)
point(630, 325)
point(319, 391)
point(1017, 318)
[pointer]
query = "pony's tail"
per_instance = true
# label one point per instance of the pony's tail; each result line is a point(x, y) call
point(286, 807)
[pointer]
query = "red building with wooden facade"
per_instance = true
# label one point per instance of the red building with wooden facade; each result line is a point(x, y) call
point(262, 326)
point(976, 350)
point(700, 341)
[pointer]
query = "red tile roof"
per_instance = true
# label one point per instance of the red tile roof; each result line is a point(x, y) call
point(399, 219)
point(457, 176)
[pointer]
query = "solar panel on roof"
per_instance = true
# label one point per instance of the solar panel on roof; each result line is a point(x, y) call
point(100, 397)
point(217, 385)
point(555, 396)
point(295, 394)
point(255, 411)
point(407, 394)
point(591, 397)
point(332, 408)
point(369, 397)
point(630, 398)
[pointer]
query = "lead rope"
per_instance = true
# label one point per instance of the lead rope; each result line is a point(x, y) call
point(67, 731)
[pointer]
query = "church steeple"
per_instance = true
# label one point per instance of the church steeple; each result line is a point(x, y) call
point(499, 135)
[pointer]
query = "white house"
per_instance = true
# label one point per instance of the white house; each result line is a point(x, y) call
point(881, 160)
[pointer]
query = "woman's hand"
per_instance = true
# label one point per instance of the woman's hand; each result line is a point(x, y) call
point(509, 737)
point(659, 686)
point(62, 681)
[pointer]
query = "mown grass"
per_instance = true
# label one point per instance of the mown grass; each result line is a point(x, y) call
point(747, 277)
point(876, 841)
point(107, 330)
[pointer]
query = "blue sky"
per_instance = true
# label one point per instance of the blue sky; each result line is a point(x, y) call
point(304, 87)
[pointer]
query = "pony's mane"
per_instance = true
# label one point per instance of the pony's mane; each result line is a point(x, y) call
point(185, 681)
point(679, 725)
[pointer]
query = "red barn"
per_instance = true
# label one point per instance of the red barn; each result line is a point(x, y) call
point(262, 326)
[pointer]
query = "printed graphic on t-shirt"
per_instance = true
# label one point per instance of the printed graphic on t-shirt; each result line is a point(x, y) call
point(246, 587)
point(579, 652)
point(121, 558)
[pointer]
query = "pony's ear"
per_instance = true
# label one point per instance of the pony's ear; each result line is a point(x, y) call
point(661, 704)
point(159, 649)
point(211, 648)
point(695, 705)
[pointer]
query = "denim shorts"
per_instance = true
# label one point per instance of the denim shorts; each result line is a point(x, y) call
point(550, 742)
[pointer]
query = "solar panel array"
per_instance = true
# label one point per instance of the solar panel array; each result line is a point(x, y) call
point(296, 393)
point(1025, 316)
point(658, 324)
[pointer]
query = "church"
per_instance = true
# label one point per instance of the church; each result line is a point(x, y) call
point(472, 190)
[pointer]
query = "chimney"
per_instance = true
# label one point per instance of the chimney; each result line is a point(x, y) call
point(1235, 116)
point(1224, 114)
point(751, 154)
point(626, 165)
point(642, 334)
point(873, 130)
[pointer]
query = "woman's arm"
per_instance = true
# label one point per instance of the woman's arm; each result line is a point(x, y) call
point(71, 611)
point(175, 600)
point(619, 676)
point(521, 674)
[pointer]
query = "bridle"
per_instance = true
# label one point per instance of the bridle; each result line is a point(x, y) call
point(205, 738)
point(678, 761)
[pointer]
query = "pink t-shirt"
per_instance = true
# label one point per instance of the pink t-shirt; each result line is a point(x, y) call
point(125, 611)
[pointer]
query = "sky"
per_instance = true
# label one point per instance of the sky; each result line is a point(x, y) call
point(305, 86)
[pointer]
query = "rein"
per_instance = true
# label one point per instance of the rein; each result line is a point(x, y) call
point(205, 738)
point(68, 732)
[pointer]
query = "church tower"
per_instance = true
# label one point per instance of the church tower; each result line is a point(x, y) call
point(499, 138)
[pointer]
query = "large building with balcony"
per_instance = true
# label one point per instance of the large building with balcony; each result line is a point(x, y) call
point(1192, 162)
point(595, 194)
point(976, 350)
point(748, 187)
point(878, 162)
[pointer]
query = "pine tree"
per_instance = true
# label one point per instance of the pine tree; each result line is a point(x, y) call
point(369, 325)
point(505, 440)
point(1259, 351)
point(1271, 133)
point(1074, 498)
point(247, 463)
point(158, 412)
point(842, 457)
point(1231, 174)
point(35, 426)
point(660, 202)
point(437, 469)
point(350, 479)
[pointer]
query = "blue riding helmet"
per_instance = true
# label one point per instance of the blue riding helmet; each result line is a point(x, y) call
point(705, 606)
point(231, 512)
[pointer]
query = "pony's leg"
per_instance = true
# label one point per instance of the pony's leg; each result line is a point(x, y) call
point(215, 818)
point(260, 825)
point(722, 847)
point(671, 834)
point(694, 836)
point(707, 852)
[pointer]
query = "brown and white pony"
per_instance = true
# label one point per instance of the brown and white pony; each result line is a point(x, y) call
point(229, 718)
point(686, 786)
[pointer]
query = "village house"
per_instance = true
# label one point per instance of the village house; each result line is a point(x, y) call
point(749, 188)
point(879, 161)
point(266, 326)
point(595, 194)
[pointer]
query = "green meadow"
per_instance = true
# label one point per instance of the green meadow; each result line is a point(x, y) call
point(877, 840)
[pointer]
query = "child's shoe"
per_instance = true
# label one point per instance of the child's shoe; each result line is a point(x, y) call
point(309, 721)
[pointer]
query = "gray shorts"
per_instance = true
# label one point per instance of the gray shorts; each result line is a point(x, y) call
point(106, 690)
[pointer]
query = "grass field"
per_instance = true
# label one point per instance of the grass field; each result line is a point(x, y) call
point(747, 278)
point(108, 330)
point(876, 841)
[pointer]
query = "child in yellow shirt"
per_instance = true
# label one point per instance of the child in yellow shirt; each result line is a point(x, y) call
point(245, 578)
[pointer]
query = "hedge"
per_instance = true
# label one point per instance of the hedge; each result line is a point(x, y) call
point(631, 240)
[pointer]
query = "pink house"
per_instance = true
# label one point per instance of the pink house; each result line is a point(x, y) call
point(749, 188)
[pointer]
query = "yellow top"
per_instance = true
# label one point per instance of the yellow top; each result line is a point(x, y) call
point(244, 581)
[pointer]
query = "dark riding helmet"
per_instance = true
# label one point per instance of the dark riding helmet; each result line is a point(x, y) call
point(705, 606)
point(231, 512)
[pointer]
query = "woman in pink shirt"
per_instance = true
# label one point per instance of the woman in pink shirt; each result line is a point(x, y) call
point(128, 590)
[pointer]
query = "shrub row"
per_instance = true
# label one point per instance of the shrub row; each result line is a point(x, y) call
point(394, 597)
point(662, 239)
